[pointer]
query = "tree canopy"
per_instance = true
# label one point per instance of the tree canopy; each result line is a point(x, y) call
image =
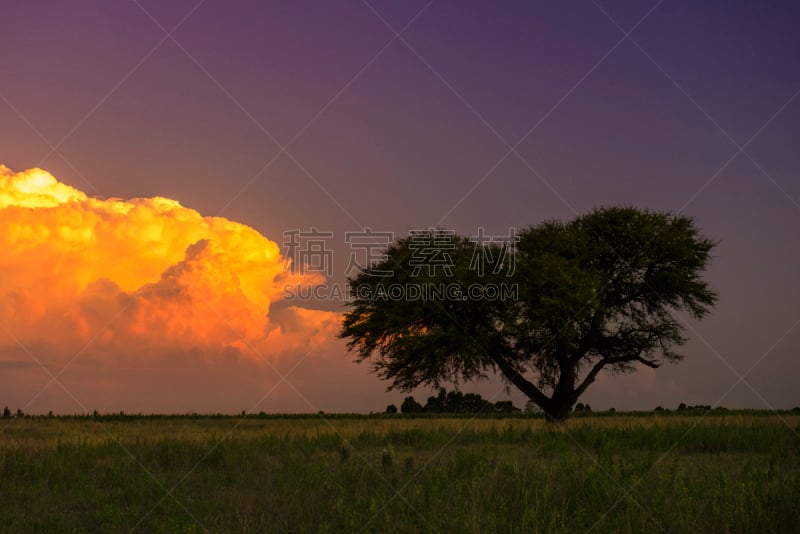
point(549, 313)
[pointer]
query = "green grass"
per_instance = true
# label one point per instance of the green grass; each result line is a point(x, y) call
point(726, 472)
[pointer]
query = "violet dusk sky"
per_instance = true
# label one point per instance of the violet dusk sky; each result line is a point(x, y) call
point(341, 115)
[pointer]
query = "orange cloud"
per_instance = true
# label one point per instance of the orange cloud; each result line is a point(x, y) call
point(126, 280)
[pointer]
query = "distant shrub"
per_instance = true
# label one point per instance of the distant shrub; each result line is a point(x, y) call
point(387, 460)
point(582, 409)
point(409, 465)
point(531, 408)
point(345, 450)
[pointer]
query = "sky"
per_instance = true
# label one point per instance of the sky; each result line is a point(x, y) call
point(156, 155)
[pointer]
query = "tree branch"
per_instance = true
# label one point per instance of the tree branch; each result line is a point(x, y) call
point(523, 384)
point(591, 376)
point(653, 364)
point(591, 337)
point(610, 361)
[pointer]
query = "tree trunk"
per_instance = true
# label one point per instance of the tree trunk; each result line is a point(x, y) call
point(564, 397)
point(559, 408)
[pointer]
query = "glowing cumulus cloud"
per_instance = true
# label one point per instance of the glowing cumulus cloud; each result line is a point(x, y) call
point(140, 278)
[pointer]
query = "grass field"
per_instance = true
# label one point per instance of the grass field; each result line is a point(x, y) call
point(723, 472)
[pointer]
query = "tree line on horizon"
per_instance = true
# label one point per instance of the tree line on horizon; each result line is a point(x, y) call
point(454, 402)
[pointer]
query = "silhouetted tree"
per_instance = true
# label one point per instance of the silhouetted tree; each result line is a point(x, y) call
point(410, 406)
point(595, 293)
point(391, 409)
point(6, 412)
point(436, 404)
point(474, 403)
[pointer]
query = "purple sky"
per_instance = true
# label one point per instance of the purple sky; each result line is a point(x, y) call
point(284, 115)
